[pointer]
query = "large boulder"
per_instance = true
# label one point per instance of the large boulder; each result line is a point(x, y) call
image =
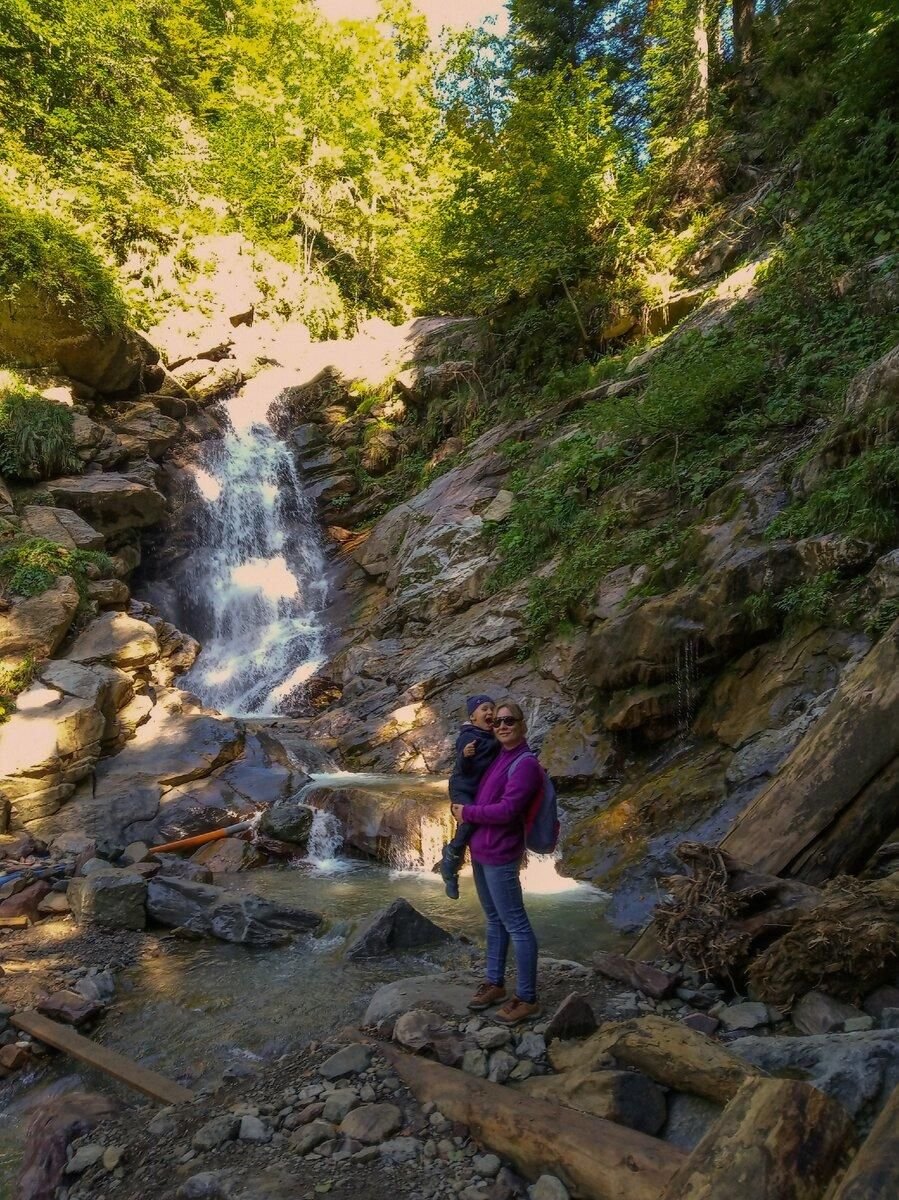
point(446, 993)
point(37, 330)
point(288, 822)
point(113, 898)
point(145, 432)
point(116, 639)
point(229, 916)
point(400, 926)
point(109, 501)
point(62, 526)
point(37, 624)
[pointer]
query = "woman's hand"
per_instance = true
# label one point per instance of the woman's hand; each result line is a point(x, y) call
point(456, 810)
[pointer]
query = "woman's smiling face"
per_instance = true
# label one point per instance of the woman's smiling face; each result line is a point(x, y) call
point(507, 727)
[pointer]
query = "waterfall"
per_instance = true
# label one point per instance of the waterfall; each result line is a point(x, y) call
point(257, 573)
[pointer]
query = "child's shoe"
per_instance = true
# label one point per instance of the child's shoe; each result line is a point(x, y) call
point(449, 871)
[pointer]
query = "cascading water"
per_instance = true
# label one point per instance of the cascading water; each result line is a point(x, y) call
point(256, 577)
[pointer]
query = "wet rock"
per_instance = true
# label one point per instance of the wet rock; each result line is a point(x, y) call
point(216, 1132)
point(748, 1015)
point(230, 916)
point(859, 1070)
point(145, 432)
point(13, 1057)
point(288, 822)
point(372, 1123)
point(574, 1018)
point(69, 1007)
point(110, 897)
point(182, 868)
point(816, 1013)
point(400, 926)
point(227, 856)
point(351, 1060)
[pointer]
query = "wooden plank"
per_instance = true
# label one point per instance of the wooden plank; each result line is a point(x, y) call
point(20, 921)
point(874, 1172)
point(64, 1038)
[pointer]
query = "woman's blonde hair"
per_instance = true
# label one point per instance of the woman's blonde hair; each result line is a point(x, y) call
point(514, 709)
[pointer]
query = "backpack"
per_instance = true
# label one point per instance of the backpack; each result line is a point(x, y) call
point(541, 822)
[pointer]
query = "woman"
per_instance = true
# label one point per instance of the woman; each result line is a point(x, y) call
point(504, 796)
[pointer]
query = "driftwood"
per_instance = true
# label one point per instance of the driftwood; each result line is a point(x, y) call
point(778, 1139)
point(846, 946)
point(667, 1051)
point(716, 915)
point(596, 1159)
point(874, 1172)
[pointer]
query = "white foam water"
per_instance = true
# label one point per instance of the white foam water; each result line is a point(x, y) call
point(258, 568)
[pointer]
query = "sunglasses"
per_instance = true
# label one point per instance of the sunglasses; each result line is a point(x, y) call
point(506, 722)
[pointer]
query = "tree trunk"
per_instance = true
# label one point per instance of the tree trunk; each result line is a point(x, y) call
point(743, 18)
point(778, 1139)
point(874, 1172)
point(667, 1051)
point(701, 41)
point(596, 1159)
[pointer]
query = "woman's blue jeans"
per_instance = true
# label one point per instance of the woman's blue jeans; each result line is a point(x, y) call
point(499, 891)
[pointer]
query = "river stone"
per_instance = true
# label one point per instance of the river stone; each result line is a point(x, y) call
point(99, 986)
point(69, 1007)
point(312, 1135)
point(84, 1157)
point(859, 1070)
point(548, 1187)
point(500, 1066)
point(625, 1097)
point(252, 1129)
point(216, 1132)
point(530, 1045)
point(574, 1018)
point(26, 903)
point(400, 926)
point(492, 1037)
point(288, 822)
point(748, 1015)
point(110, 897)
point(230, 916)
point(416, 1030)
point(400, 1149)
point(227, 856)
point(206, 1185)
point(339, 1103)
point(182, 868)
point(372, 1123)
point(816, 1013)
point(689, 1118)
point(350, 1060)
point(446, 993)
point(486, 1165)
point(474, 1062)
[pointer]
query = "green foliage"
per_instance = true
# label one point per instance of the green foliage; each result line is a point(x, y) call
point(882, 618)
point(14, 679)
point(859, 500)
point(31, 565)
point(808, 601)
point(35, 434)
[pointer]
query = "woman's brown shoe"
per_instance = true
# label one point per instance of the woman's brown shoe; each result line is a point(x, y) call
point(486, 996)
point(516, 1010)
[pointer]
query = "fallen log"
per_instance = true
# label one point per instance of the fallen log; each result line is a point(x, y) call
point(667, 1051)
point(846, 946)
point(778, 1139)
point(596, 1159)
point(874, 1172)
point(200, 839)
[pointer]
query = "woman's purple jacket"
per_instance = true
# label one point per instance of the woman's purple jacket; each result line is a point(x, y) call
point(500, 807)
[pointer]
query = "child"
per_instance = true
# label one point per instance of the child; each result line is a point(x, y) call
point(476, 748)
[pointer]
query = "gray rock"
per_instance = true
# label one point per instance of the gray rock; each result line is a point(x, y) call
point(889, 1018)
point(84, 1157)
point(400, 926)
point(216, 1132)
point(501, 1066)
point(548, 1187)
point(230, 916)
point(109, 897)
point(372, 1123)
point(882, 997)
point(816, 1013)
point(492, 1037)
point(339, 1103)
point(858, 1024)
point(857, 1069)
point(446, 993)
point(486, 1165)
point(524, 1070)
point(207, 1185)
point(100, 986)
point(400, 1149)
point(311, 1136)
point(531, 1045)
point(689, 1117)
point(252, 1129)
point(176, 867)
point(748, 1015)
point(350, 1060)
point(475, 1063)
point(288, 822)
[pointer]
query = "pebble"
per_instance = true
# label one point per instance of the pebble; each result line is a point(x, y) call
point(84, 1157)
point(252, 1129)
point(400, 1149)
point(351, 1060)
point(548, 1187)
point(487, 1165)
point(211, 1135)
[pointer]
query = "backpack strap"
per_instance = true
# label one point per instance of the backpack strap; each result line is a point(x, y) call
point(517, 760)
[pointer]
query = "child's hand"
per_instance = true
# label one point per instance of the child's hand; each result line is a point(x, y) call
point(456, 810)
point(469, 750)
